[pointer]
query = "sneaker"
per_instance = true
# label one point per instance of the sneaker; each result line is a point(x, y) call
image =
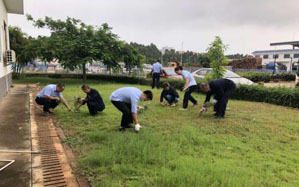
point(122, 129)
point(46, 113)
point(130, 126)
point(183, 109)
point(173, 104)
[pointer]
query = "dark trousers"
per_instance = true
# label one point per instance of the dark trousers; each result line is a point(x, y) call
point(125, 108)
point(94, 108)
point(171, 99)
point(47, 103)
point(188, 96)
point(156, 80)
point(220, 106)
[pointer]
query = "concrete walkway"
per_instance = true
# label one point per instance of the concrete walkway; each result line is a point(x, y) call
point(15, 138)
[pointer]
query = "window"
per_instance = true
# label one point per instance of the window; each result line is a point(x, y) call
point(287, 56)
point(275, 56)
point(296, 55)
point(265, 56)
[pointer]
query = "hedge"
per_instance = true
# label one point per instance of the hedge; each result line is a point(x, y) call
point(279, 96)
point(267, 77)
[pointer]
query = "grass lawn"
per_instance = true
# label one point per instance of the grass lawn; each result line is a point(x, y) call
point(255, 145)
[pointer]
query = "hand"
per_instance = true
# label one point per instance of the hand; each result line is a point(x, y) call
point(214, 102)
point(69, 109)
point(184, 89)
point(203, 110)
point(137, 127)
point(57, 98)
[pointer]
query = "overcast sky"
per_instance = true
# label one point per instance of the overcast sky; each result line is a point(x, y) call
point(245, 25)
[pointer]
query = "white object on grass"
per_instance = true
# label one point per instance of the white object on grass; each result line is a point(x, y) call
point(214, 101)
point(137, 127)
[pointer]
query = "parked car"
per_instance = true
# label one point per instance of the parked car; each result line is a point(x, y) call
point(237, 79)
point(169, 73)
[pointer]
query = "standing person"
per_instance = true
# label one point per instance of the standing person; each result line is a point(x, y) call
point(50, 96)
point(93, 99)
point(157, 70)
point(126, 100)
point(221, 89)
point(169, 94)
point(189, 87)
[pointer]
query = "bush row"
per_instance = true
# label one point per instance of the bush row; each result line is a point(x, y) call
point(267, 77)
point(279, 96)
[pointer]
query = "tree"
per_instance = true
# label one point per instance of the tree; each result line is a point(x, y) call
point(75, 44)
point(23, 45)
point(217, 57)
point(131, 57)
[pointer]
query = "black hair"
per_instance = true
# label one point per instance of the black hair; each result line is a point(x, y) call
point(166, 84)
point(158, 60)
point(84, 87)
point(203, 85)
point(148, 94)
point(60, 85)
point(178, 68)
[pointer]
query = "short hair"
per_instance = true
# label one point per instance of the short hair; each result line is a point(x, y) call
point(60, 85)
point(203, 85)
point(166, 84)
point(178, 68)
point(84, 87)
point(148, 94)
point(158, 60)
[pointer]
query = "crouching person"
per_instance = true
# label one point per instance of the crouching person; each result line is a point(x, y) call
point(169, 94)
point(93, 99)
point(50, 96)
point(126, 100)
point(221, 89)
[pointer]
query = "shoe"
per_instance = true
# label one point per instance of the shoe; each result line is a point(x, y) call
point(122, 129)
point(130, 126)
point(183, 109)
point(46, 113)
point(173, 104)
point(195, 105)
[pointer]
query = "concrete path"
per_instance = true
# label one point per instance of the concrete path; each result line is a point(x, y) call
point(15, 138)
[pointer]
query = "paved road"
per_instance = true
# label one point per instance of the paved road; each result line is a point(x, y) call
point(15, 141)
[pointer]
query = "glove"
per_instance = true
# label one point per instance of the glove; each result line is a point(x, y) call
point(214, 101)
point(137, 127)
point(203, 109)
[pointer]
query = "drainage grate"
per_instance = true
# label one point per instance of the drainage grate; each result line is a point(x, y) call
point(52, 170)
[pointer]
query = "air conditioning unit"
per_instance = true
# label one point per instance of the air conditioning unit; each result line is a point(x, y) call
point(10, 57)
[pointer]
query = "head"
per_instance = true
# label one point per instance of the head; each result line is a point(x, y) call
point(178, 70)
point(147, 95)
point(158, 61)
point(85, 89)
point(60, 87)
point(166, 86)
point(205, 87)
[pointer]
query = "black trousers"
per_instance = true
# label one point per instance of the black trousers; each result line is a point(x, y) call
point(188, 96)
point(47, 103)
point(94, 107)
point(125, 108)
point(156, 80)
point(220, 106)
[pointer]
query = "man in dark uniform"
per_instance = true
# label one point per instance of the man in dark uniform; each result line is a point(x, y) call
point(93, 99)
point(221, 89)
point(169, 94)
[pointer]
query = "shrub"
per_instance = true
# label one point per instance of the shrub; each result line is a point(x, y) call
point(267, 77)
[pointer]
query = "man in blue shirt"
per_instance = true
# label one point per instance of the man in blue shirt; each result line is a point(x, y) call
point(126, 100)
point(157, 70)
point(50, 96)
point(189, 87)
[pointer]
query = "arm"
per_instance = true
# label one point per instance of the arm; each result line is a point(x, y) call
point(161, 97)
point(135, 120)
point(65, 103)
point(186, 84)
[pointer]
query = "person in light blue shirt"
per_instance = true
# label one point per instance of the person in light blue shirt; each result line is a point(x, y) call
point(126, 100)
point(156, 70)
point(50, 96)
point(189, 87)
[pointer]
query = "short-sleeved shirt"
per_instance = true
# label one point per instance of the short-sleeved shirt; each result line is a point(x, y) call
point(157, 67)
point(187, 74)
point(128, 95)
point(49, 90)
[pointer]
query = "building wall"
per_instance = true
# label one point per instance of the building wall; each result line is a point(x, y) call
point(5, 71)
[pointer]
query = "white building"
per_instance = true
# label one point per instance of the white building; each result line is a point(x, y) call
point(14, 7)
point(287, 57)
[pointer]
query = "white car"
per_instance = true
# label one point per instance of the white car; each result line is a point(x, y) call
point(237, 79)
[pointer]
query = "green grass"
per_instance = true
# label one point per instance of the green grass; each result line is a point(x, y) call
point(255, 145)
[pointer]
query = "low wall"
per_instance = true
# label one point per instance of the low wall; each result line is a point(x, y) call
point(5, 82)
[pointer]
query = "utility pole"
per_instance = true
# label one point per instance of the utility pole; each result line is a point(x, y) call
point(182, 53)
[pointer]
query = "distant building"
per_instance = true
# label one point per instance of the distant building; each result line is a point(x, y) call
point(14, 7)
point(285, 57)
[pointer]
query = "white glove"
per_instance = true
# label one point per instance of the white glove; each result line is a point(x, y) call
point(137, 127)
point(214, 101)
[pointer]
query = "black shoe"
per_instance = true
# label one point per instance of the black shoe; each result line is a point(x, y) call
point(122, 129)
point(130, 126)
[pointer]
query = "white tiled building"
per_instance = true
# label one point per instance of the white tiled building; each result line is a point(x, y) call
point(287, 57)
point(14, 7)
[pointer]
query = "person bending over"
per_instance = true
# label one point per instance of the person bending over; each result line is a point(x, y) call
point(189, 87)
point(126, 100)
point(50, 96)
point(169, 94)
point(221, 89)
